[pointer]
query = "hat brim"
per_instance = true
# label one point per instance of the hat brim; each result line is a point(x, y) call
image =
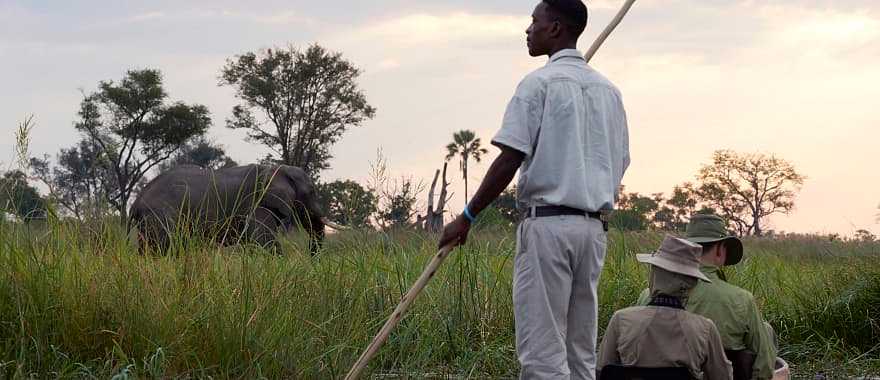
point(734, 247)
point(672, 266)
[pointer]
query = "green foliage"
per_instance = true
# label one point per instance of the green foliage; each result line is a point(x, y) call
point(80, 182)
point(76, 301)
point(297, 103)
point(675, 212)
point(19, 198)
point(347, 202)
point(400, 205)
point(136, 130)
point(202, 153)
point(635, 212)
point(505, 204)
point(743, 188)
point(864, 235)
point(492, 217)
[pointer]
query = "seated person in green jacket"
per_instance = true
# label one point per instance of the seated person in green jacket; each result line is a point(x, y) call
point(663, 334)
point(732, 308)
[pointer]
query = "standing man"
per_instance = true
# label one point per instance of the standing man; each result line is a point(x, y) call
point(565, 131)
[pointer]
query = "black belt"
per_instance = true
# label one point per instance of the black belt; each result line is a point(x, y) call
point(542, 211)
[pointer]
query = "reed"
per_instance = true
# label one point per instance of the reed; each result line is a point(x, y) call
point(78, 301)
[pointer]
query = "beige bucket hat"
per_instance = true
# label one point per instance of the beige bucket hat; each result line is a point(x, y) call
point(678, 256)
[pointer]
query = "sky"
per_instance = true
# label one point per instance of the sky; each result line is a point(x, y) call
point(799, 79)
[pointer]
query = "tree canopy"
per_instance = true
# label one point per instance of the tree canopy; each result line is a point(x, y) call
point(202, 153)
point(81, 181)
point(19, 198)
point(347, 202)
point(747, 188)
point(297, 103)
point(466, 145)
point(136, 129)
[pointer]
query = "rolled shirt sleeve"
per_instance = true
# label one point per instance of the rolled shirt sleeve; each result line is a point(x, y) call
point(644, 297)
point(608, 349)
point(759, 341)
point(522, 118)
point(716, 366)
point(625, 141)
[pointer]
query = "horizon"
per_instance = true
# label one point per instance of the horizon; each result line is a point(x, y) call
point(788, 78)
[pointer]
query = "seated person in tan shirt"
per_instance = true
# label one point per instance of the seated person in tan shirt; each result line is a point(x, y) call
point(663, 334)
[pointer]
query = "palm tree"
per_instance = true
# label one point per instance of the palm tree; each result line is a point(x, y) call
point(466, 145)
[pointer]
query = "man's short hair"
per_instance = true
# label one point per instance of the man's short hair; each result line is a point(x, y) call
point(572, 13)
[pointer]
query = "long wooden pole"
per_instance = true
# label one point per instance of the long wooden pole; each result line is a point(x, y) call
point(441, 255)
point(608, 29)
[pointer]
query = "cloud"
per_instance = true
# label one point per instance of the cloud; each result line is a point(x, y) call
point(146, 16)
point(277, 17)
point(425, 28)
point(822, 30)
point(389, 63)
point(798, 86)
point(789, 77)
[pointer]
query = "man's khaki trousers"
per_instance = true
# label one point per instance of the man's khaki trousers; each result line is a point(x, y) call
point(556, 273)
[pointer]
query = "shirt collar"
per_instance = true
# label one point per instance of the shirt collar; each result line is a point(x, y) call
point(565, 53)
point(713, 272)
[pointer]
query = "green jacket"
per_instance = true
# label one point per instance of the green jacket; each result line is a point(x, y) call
point(736, 316)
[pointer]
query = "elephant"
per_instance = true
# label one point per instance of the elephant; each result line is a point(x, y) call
point(249, 203)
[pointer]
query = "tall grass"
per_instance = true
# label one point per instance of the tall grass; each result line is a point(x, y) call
point(77, 301)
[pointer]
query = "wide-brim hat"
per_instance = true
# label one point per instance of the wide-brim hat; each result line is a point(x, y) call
point(707, 228)
point(676, 255)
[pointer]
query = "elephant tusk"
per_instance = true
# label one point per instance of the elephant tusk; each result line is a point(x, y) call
point(332, 225)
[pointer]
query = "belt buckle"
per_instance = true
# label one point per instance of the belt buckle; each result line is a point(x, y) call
point(604, 217)
point(525, 213)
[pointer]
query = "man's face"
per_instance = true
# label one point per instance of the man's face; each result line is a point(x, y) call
point(541, 33)
point(722, 254)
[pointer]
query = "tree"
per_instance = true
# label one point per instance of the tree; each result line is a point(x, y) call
point(865, 236)
point(747, 188)
point(19, 198)
point(433, 219)
point(347, 202)
point(81, 180)
point(202, 153)
point(297, 103)
point(506, 205)
point(396, 198)
point(400, 207)
point(136, 130)
point(635, 212)
point(675, 212)
point(502, 211)
point(466, 145)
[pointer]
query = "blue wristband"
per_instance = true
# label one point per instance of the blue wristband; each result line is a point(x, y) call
point(468, 216)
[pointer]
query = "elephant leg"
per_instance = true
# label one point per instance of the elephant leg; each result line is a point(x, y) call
point(315, 229)
point(263, 229)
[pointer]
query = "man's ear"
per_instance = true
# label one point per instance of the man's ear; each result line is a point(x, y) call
point(556, 29)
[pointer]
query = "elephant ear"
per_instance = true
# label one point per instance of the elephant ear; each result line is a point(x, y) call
point(303, 187)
